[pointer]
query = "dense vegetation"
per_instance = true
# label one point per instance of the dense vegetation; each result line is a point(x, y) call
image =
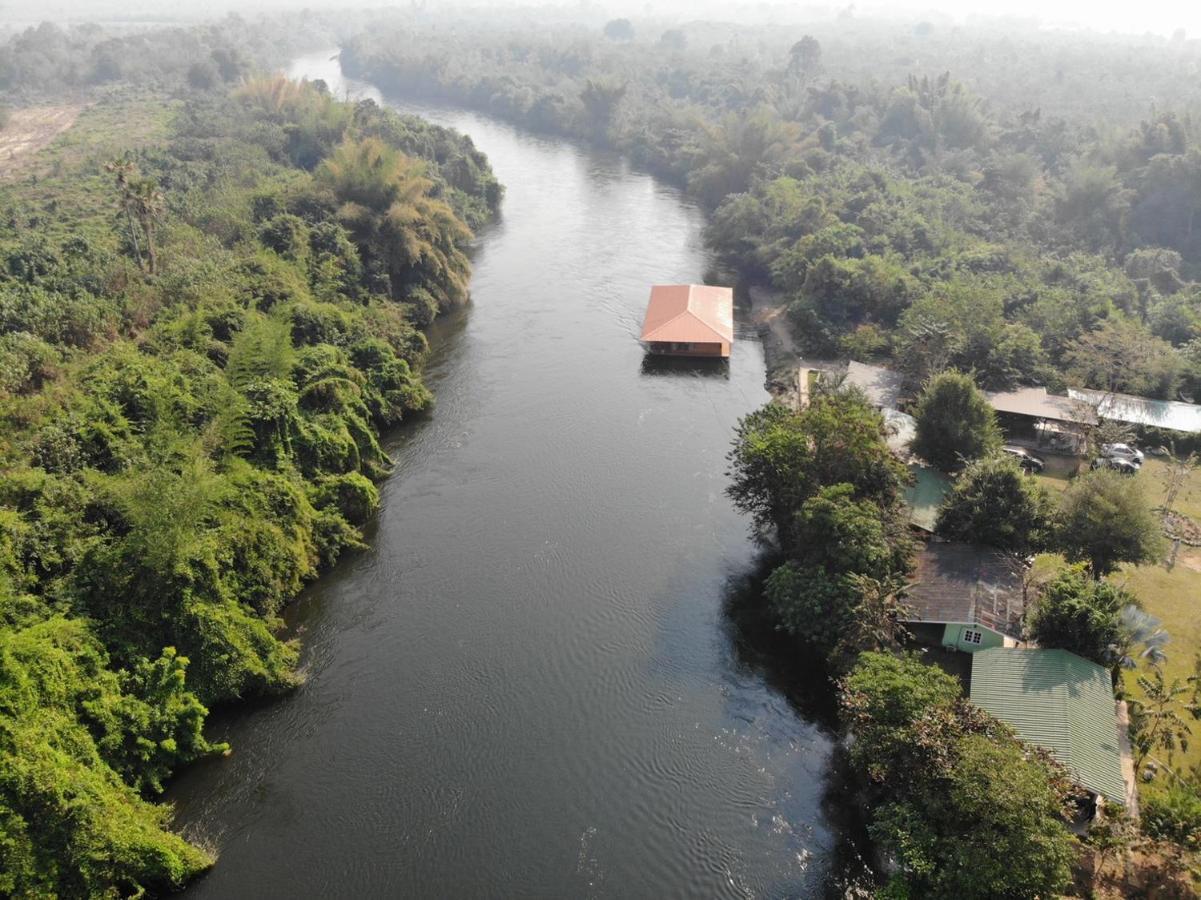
point(200, 343)
point(899, 219)
point(964, 808)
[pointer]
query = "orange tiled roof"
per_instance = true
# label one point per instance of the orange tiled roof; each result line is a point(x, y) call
point(689, 313)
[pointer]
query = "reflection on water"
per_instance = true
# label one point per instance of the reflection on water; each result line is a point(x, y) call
point(540, 679)
point(693, 366)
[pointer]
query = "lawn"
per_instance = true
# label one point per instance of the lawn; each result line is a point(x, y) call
point(1170, 591)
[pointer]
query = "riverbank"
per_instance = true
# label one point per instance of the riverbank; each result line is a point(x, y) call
point(567, 703)
point(194, 391)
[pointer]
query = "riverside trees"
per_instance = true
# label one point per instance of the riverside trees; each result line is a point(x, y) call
point(192, 397)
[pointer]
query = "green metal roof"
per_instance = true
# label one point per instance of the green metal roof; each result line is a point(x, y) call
point(925, 495)
point(1060, 702)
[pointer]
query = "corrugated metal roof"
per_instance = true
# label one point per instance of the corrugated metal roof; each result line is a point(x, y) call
point(925, 495)
point(1037, 403)
point(967, 584)
point(1059, 701)
point(1170, 414)
point(690, 313)
point(882, 386)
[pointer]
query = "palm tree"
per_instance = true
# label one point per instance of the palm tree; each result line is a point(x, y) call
point(1158, 723)
point(149, 205)
point(143, 205)
point(1137, 629)
point(124, 170)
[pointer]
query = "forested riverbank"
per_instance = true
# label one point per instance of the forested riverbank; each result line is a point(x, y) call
point(917, 223)
point(211, 306)
point(968, 242)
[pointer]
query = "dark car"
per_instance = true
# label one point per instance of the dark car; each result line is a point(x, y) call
point(1026, 460)
point(1121, 466)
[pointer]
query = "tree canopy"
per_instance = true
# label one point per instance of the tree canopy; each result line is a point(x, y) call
point(1105, 520)
point(994, 503)
point(954, 422)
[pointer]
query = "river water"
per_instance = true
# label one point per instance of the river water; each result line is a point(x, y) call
point(537, 682)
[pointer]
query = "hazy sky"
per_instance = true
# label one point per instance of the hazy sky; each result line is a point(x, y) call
point(1159, 16)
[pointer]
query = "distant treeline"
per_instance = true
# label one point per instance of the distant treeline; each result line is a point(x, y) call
point(200, 343)
point(48, 61)
point(907, 220)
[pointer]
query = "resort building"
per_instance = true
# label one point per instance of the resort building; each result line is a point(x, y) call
point(965, 597)
point(1064, 704)
point(689, 320)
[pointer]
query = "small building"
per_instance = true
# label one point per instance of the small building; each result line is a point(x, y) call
point(1062, 703)
point(689, 320)
point(966, 597)
point(1168, 414)
point(882, 386)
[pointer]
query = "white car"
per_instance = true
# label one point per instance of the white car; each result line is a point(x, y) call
point(1122, 451)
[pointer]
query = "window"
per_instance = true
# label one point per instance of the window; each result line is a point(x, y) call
point(971, 637)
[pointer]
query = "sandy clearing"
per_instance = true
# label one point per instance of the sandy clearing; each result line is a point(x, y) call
point(29, 130)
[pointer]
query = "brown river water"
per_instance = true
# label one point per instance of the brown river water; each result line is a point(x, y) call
point(541, 680)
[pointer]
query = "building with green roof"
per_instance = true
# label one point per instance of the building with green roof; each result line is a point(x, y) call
point(1061, 702)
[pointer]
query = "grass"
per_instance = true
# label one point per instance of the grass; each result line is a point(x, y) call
point(65, 182)
point(1170, 591)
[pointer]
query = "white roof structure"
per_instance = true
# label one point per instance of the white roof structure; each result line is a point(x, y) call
point(1170, 414)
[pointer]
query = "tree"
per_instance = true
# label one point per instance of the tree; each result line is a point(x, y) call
point(1074, 612)
point(1157, 722)
point(992, 828)
point(601, 99)
point(1112, 837)
point(1140, 637)
point(781, 458)
point(963, 809)
point(834, 531)
point(805, 57)
point(877, 623)
point(955, 422)
point(883, 698)
point(1119, 355)
point(619, 30)
point(993, 503)
point(673, 39)
point(1105, 520)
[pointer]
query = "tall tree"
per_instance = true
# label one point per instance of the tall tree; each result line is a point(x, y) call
point(955, 423)
point(992, 502)
point(1105, 520)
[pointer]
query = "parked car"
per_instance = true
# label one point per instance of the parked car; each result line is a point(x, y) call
point(1028, 461)
point(1117, 464)
point(1122, 451)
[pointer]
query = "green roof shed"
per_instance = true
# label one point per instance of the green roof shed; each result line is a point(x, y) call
point(1061, 702)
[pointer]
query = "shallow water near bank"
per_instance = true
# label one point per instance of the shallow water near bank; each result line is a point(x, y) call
point(536, 682)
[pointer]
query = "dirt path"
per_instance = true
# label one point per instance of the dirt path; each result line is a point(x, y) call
point(29, 130)
point(785, 364)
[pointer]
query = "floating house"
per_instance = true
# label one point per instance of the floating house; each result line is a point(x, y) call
point(1063, 703)
point(965, 597)
point(689, 320)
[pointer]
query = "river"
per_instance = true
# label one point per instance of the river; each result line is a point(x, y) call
point(535, 683)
